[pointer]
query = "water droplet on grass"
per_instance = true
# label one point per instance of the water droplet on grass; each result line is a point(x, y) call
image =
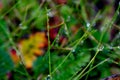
point(73, 51)
point(110, 47)
point(101, 48)
point(23, 27)
point(88, 24)
point(118, 47)
point(50, 13)
point(68, 18)
point(118, 12)
point(66, 30)
point(48, 77)
point(82, 42)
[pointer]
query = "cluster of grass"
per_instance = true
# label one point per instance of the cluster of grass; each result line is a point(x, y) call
point(86, 45)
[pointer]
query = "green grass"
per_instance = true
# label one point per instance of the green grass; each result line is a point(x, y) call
point(87, 54)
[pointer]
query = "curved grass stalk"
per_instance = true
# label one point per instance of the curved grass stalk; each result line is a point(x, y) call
point(48, 51)
point(69, 54)
point(94, 67)
point(99, 45)
point(10, 9)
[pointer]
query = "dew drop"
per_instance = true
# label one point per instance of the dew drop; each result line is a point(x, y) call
point(66, 33)
point(20, 24)
point(101, 48)
point(73, 51)
point(119, 33)
point(118, 12)
point(48, 77)
point(110, 47)
point(50, 13)
point(68, 18)
point(66, 30)
point(82, 42)
point(118, 47)
point(23, 27)
point(102, 28)
point(88, 25)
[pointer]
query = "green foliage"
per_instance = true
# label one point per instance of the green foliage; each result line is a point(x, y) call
point(71, 66)
point(3, 32)
point(83, 35)
point(6, 63)
point(40, 66)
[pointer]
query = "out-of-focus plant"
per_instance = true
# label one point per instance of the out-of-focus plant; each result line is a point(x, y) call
point(59, 39)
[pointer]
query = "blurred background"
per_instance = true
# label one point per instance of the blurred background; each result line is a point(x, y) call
point(59, 39)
